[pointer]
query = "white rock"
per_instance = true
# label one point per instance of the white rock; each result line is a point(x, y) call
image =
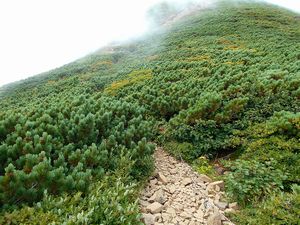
point(234, 206)
point(172, 189)
point(162, 178)
point(217, 183)
point(190, 210)
point(185, 215)
point(221, 205)
point(227, 223)
point(158, 217)
point(171, 211)
point(153, 182)
point(186, 222)
point(205, 178)
point(193, 223)
point(173, 171)
point(214, 219)
point(229, 210)
point(148, 219)
point(160, 196)
point(199, 214)
point(166, 217)
point(217, 197)
point(152, 199)
point(149, 194)
point(187, 181)
point(155, 207)
point(143, 203)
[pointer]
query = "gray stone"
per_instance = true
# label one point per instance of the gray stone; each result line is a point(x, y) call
point(160, 197)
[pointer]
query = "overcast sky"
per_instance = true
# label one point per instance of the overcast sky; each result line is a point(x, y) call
point(39, 35)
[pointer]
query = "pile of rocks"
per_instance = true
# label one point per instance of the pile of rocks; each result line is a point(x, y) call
point(177, 195)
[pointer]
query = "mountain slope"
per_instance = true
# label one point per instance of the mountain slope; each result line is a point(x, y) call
point(219, 81)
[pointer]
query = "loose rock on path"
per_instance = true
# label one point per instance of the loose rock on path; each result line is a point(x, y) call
point(177, 195)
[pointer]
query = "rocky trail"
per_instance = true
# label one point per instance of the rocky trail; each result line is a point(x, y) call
point(177, 195)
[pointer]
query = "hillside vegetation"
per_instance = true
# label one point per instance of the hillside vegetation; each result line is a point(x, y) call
point(75, 142)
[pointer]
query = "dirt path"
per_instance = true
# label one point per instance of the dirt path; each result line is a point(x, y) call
point(177, 195)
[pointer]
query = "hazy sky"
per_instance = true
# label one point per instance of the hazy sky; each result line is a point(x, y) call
point(39, 35)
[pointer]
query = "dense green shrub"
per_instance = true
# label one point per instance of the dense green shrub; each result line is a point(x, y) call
point(107, 202)
point(64, 149)
point(251, 181)
point(276, 138)
point(207, 137)
point(180, 150)
point(279, 208)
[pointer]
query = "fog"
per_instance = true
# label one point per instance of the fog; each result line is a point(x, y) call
point(37, 36)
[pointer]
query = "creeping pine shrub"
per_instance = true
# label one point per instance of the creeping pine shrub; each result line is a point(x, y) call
point(251, 181)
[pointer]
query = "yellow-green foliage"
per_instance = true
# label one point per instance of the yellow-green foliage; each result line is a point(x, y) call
point(134, 77)
point(28, 215)
point(140, 75)
point(101, 65)
point(152, 57)
point(115, 86)
point(85, 77)
point(198, 58)
point(203, 166)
